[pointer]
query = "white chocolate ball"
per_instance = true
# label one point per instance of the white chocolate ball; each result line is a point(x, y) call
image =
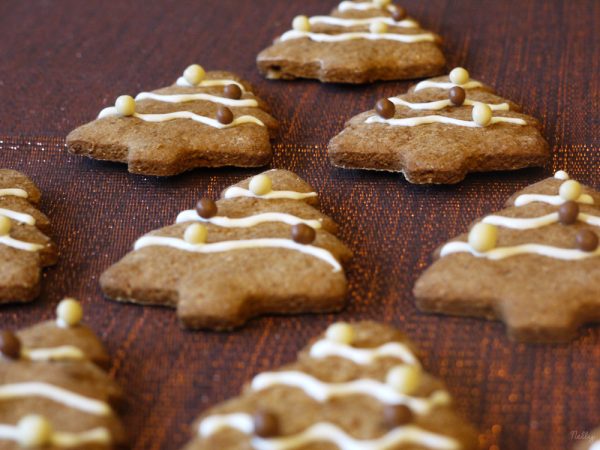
point(483, 237)
point(341, 332)
point(301, 23)
point(195, 234)
point(405, 378)
point(260, 184)
point(378, 28)
point(561, 175)
point(382, 3)
point(459, 76)
point(125, 105)
point(482, 114)
point(194, 74)
point(34, 431)
point(570, 190)
point(5, 225)
point(69, 312)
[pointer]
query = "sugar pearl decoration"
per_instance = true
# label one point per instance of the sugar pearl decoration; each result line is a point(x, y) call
point(382, 3)
point(5, 225)
point(405, 379)
point(266, 424)
point(561, 175)
point(459, 76)
point(34, 431)
point(570, 190)
point(301, 23)
point(483, 237)
point(194, 74)
point(587, 241)
point(125, 105)
point(341, 332)
point(195, 234)
point(568, 212)
point(482, 114)
point(260, 185)
point(69, 312)
point(378, 28)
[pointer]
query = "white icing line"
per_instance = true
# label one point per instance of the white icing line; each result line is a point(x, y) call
point(536, 222)
point(441, 104)
point(506, 252)
point(62, 353)
point(62, 439)
point(341, 22)
point(322, 37)
point(325, 347)
point(15, 192)
point(56, 394)
point(328, 432)
point(322, 391)
point(556, 200)
point(226, 246)
point(181, 81)
point(20, 245)
point(111, 111)
point(425, 120)
point(245, 222)
point(18, 216)
point(236, 191)
point(363, 6)
point(183, 98)
point(447, 85)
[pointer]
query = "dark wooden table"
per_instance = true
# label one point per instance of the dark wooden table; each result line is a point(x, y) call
point(61, 61)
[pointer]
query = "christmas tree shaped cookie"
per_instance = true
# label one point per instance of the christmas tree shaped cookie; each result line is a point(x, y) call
point(359, 42)
point(24, 248)
point(53, 391)
point(262, 248)
point(534, 265)
point(359, 386)
point(205, 119)
point(439, 131)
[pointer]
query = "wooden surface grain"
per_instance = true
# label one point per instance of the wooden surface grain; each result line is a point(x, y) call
point(62, 61)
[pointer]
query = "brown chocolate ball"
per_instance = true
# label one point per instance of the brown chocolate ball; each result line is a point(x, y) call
point(206, 208)
point(266, 424)
point(587, 241)
point(232, 91)
point(397, 415)
point(303, 234)
point(10, 345)
point(384, 108)
point(399, 14)
point(457, 95)
point(568, 213)
point(224, 115)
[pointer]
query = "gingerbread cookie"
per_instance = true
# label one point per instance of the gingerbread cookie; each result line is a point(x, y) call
point(534, 265)
point(261, 249)
point(358, 386)
point(53, 392)
point(359, 42)
point(205, 119)
point(439, 131)
point(24, 248)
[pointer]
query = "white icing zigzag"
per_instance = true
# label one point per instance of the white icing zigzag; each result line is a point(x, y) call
point(322, 37)
point(425, 120)
point(14, 192)
point(363, 6)
point(505, 252)
point(183, 98)
point(245, 222)
point(62, 353)
point(18, 216)
point(325, 348)
point(100, 436)
point(181, 81)
point(236, 191)
point(20, 245)
point(441, 104)
point(447, 85)
point(341, 22)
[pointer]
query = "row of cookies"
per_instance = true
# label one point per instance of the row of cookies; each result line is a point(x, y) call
point(264, 248)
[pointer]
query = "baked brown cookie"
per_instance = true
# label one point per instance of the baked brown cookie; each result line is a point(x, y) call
point(261, 249)
point(439, 131)
point(53, 391)
point(358, 386)
point(207, 119)
point(534, 265)
point(24, 248)
point(587, 441)
point(359, 42)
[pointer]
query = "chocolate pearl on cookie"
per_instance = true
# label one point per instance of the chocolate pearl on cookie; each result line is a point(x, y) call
point(232, 91)
point(303, 234)
point(224, 115)
point(399, 13)
point(385, 108)
point(266, 424)
point(587, 241)
point(457, 95)
point(568, 213)
point(10, 345)
point(206, 208)
point(397, 415)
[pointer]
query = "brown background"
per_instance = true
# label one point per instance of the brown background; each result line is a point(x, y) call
point(61, 61)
